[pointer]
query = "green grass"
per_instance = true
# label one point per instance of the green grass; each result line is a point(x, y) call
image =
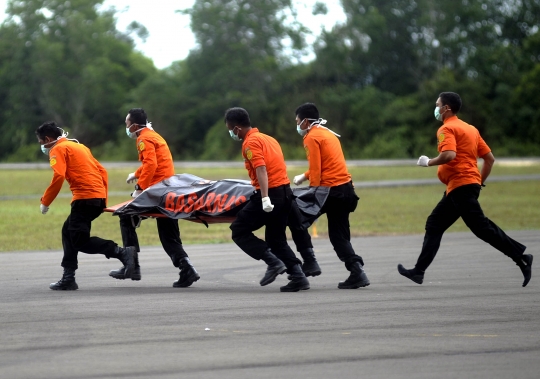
point(381, 211)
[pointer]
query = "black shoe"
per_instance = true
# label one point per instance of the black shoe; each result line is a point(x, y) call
point(120, 273)
point(298, 280)
point(188, 274)
point(275, 267)
point(414, 275)
point(357, 279)
point(525, 265)
point(310, 266)
point(296, 285)
point(128, 256)
point(67, 283)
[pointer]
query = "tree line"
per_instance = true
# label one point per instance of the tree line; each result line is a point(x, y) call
point(375, 77)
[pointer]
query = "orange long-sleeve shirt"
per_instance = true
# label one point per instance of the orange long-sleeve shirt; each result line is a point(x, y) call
point(75, 163)
point(259, 149)
point(327, 165)
point(456, 135)
point(156, 159)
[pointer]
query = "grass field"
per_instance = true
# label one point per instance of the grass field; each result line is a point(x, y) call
point(381, 211)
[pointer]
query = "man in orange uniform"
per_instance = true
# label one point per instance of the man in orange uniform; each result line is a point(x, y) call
point(327, 168)
point(459, 146)
point(269, 205)
point(87, 180)
point(156, 165)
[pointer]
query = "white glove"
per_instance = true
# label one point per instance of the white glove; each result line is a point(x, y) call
point(136, 193)
point(298, 179)
point(131, 178)
point(423, 161)
point(43, 208)
point(267, 204)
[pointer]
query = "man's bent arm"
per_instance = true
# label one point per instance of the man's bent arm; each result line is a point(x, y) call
point(443, 158)
point(489, 159)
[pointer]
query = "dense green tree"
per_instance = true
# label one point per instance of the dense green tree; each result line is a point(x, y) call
point(240, 53)
point(65, 61)
point(375, 77)
point(411, 48)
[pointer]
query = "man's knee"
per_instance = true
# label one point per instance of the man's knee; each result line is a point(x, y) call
point(238, 234)
point(79, 238)
point(434, 227)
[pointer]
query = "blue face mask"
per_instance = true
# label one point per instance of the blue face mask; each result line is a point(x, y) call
point(234, 136)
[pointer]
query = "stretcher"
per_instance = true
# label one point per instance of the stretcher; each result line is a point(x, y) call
point(191, 198)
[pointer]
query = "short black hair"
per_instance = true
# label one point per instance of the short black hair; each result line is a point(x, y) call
point(48, 129)
point(237, 116)
point(138, 116)
point(451, 99)
point(307, 110)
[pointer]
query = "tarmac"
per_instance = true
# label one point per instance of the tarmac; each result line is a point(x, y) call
point(470, 319)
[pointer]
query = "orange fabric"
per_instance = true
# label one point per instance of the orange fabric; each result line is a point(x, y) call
point(75, 163)
point(456, 135)
point(156, 158)
point(258, 150)
point(327, 165)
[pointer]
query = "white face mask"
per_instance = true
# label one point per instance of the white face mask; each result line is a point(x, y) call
point(437, 113)
point(319, 124)
point(45, 150)
point(234, 136)
point(299, 130)
point(133, 134)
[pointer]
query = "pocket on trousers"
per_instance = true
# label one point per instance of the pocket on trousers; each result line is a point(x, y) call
point(353, 203)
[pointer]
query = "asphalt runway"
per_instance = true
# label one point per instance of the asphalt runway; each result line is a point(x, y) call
point(470, 319)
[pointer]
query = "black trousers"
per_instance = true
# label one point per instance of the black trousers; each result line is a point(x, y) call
point(341, 201)
point(76, 232)
point(168, 231)
point(463, 202)
point(300, 236)
point(252, 217)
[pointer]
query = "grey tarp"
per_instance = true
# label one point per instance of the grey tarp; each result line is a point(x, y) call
point(189, 197)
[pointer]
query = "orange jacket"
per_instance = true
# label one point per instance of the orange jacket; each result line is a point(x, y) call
point(465, 140)
point(75, 163)
point(258, 150)
point(327, 165)
point(156, 158)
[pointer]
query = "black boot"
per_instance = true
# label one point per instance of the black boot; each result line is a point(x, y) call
point(310, 266)
point(298, 280)
point(121, 272)
point(525, 263)
point(275, 267)
point(67, 283)
point(188, 274)
point(357, 279)
point(130, 258)
point(414, 274)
